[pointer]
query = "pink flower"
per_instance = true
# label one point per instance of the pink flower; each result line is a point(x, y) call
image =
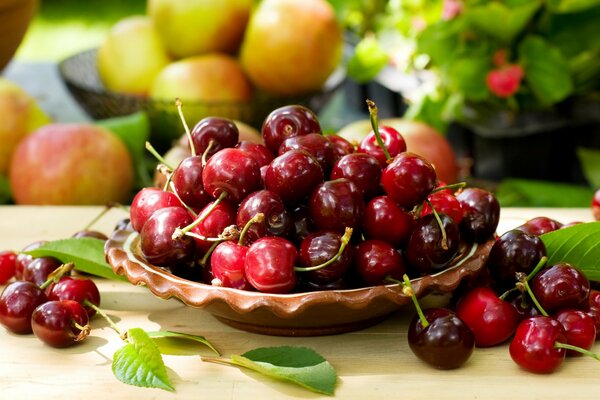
point(505, 81)
point(451, 8)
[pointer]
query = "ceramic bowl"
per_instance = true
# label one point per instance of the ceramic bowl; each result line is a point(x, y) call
point(298, 314)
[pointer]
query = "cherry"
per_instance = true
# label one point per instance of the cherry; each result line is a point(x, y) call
point(596, 205)
point(288, 121)
point(276, 222)
point(445, 202)
point(491, 319)
point(212, 134)
point(187, 182)
point(227, 265)
point(524, 306)
point(38, 270)
point(561, 286)
point(408, 179)
point(594, 312)
point(594, 298)
point(88, 233)
point(81, 290)
point(269, 265)
point(23, 259)
point(60, 323)
point(148, 200)
point(580, 329)
point(314, 144)
point(17, 302)
point(8, 260)
point(481, 214)
point(393, 142)
point(319, 247)
point(156, 238)
point(215, 218)
point(362, 169)
point(335, 205)
point(302, 225)
point(232, 173)
point(293, 176)
point(539, 225)
point(376, 260)
point(430, 247)
point(385, 220)
point(534, 344)
point(514, 251)
point(259, 152)
point(341, 146)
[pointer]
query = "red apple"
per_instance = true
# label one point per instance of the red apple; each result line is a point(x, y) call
point(75, 164)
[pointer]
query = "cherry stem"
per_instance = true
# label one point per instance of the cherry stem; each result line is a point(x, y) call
point(458, 185)
point(206, 256)
point(375, 127)
point(105, 316)
point(179, 105)
point(84, 330)
point(258, 218)
point(407, 289)
point(179, 232)
point(58, 273)
point(440, 223)
point(174, 190)
point(160, 158)
point(586, 352)
point(522, 278)
point(207, 151)
point(345, 239)
point(530, 276)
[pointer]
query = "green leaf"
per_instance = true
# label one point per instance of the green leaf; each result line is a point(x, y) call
point(134, 131)
point(86, 253)
point(578, 245)
point(5, 194)
point(177, 343)
point(368, 60)
point(545, 69)
point(500, 20)
point(299, 365)
point(531, 193)
point(139, 362)
point(468, 75)
point(590, 164)
point(441, 40)
point(569, 6)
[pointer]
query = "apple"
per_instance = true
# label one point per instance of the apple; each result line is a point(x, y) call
point(131, 56)
point(291, 47)
point(71, 164)
point(194, 27)
point(420, 138)
point(20, 114)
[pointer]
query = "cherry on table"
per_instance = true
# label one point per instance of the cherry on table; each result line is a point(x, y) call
point(8, 260)
point(580, 329)
point(561, 286)
point(23, 259)
point(38, 270)
point(90, 233)
point(81, 290)
point(288, 121)
point(17, 302)
point(60, 323)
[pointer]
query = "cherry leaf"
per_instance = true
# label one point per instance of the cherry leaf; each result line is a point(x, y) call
point(299, 365)
point(86, 253)
point(140, 363)
point(578, 245)
point(177, 343)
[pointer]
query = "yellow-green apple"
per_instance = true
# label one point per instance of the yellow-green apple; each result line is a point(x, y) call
point(131, 55)
point(71, 163)
point(420, 138)
point(20, 114)
point(194, 27)
point(291, 47)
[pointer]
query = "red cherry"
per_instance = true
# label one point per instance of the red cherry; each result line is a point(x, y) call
point(385, 220)
point(362, 169)
point(445, 202)
point(214, 223)
point(77, 289)
point(286, 122)
point(392, 139)
point(60, 323)
point(596, 205)
point(8, 260)
point(580, 329)
point(533, 346)
point(269, 265)
point(408, 179)
point(341, 146)
point(561, 286)
point(539, 225)
point(17, 302)
point(491, 319)
point(227, 264)
point(216, 133)
point(375, 260)
point(148, 200)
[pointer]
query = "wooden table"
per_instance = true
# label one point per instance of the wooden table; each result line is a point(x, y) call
point(375, 363)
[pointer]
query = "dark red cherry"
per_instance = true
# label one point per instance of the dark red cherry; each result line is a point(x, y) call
point(341, 146)
point(81, 290)
point(60, 323)
point(375, 260)
point(336, 205)
point(148, 200)
point(533, 345)
point(216, 132)
point(320, 247)
point(8, 260)
point(23, 258)
point(231, 171)
point(156, 238)
point(539, 225)
point(594, 312)
point(594, 298)
point(561, 286)
point(293, 176)
point(187, 182)
point(408, 179)
point(288, 121)
point(259, 152)
point(392, 139)
point(445, 202)
point(89, 233)
point(215, 219)
point(524, 306)
point(269, 265)
point(17, 302)
point(481, 214)
point(362, 169)
point(385, 220)
point(580, 329)
point(445, 343)
point(315, 144)
point(38, 270)
point(491, 319)
point(277, 221)
point(227, 264)
point(302, 225)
